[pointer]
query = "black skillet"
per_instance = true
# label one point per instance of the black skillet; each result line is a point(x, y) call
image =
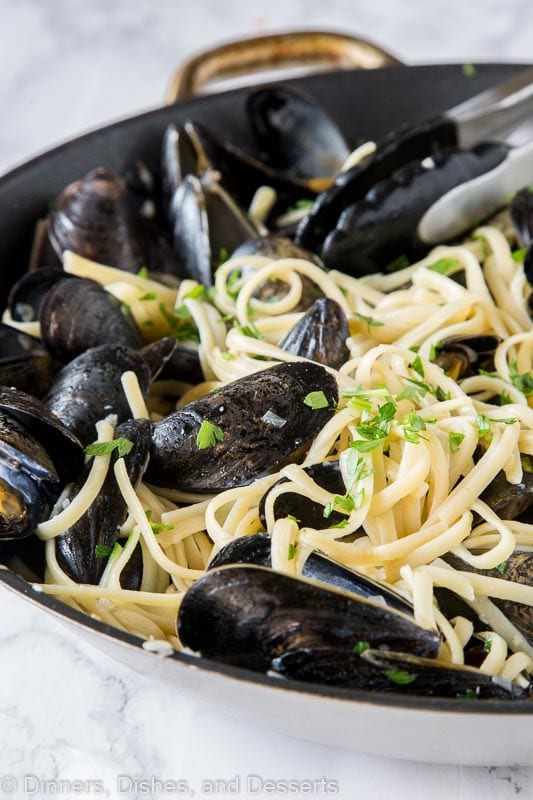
point(366, 103)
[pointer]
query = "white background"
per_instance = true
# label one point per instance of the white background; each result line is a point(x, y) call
point(65, 710)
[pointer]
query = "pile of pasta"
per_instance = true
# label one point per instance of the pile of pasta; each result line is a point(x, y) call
point(407, 436)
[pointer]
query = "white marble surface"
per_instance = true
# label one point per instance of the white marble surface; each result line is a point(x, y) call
point(66, 711)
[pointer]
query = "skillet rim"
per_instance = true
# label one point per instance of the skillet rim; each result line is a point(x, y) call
point(61, 610)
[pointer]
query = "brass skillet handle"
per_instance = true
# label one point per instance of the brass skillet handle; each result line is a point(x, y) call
point(275, 51)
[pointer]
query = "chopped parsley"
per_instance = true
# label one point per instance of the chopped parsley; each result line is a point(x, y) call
point(360, 647)
point(292, 551)
point(316, 400)
point(208, 435)
point(102, 551)
point(157, 527)
point(487, 644)
point(521, 381)
point(527, 464)
point(399, 676)
point(375, 431)
point(148, 296)
point(483, 425)
point(412, 425)
point(248, 330)
point(121, 445)
point(143, 272)
point(180, 323)
point(125, 308)
point(223, 256)
point(342, 524)
point(227, 356)
point(454, 441)
point(293, 518)
point(502, 567)
point(304, 204)
point(370, 321)
point(196, 292)
point(469, 70)
point(445, 265)
point(470, 694)
point(399, 263)
point(418, 367)
point(519, 255)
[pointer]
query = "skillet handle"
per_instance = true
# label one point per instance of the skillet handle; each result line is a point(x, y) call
point(275, 51)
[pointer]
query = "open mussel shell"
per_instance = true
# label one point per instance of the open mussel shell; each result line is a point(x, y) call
point(263, 423)
point(27, 294)
point(296, 135)
point(522, 216)
point(320, 335)
point(25, 362)
point(62, 446)
point(89, 388)
point(28, 480)
point(76, 549)
point(77, 314)
point(256, 549)
point(463, 356)
point(248, 615)
point(309, 513)
point(509, 500)
point(393, 672)
point(207, 222)
point(241, 174)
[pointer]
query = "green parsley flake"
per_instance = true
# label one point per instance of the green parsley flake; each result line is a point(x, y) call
point(445, 265)
point(248, 330)
point(412, 425)
point(418, 367)
point(223, 256)
point(360, 647)
point(148, 296)
point(468, 695)
point(502, 567)
point(399, 676)
point(143, 272)
point(527, 464)
point(292, 551)
point(195, 293)
point(293, 518)
point(208, 435)
point(227, 356)
point(454, 441)
point(342, 524)
point(157, 527)
point(399, 263)
point(521, 381)
point(519, 255)
point(370, 321)
point(483, 425)
point(304, 204)
point(316, 400)
point(121, 445)
point(487, 644)
point(125, 308)
point(102, 551)
point(469, 70)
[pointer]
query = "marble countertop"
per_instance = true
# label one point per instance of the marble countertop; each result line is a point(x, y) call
point(67, 711)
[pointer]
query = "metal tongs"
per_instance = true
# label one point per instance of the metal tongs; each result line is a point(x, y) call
point(351, 219)
point(503, 113)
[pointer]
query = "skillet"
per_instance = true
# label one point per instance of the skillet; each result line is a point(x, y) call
point(367, 104)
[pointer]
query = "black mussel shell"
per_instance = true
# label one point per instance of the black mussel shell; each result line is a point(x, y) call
point(248, 615)
point(296, 134)
point(262, 421)
point(27, 294)
point(277, 246)
point(62, 446)
point(89, 388)
point(528, 271)
point(92, 218)
point(374, 231)
point(320, 335)
point(207, 223)
point(158, 354)
point(389, 672)
point(309, 513)
point(78, 314)
point(241, 174)
point(256, 549)
point(25, 363)
point(178, 159)
point(131, 576)
point(76, 548)
point(509, 500)
point(463, 356)
point(28, 480)
point(522, 216)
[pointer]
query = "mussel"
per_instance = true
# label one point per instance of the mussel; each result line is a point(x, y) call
point(463, 356)
point(36, 455)
point(89, 388)
point(249, 615)
point(83, 549)
point(320, 335)
point(256, 549)
point(25, 363)
point(244, 430)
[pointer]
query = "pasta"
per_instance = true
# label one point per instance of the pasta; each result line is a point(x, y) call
point(413, 475)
